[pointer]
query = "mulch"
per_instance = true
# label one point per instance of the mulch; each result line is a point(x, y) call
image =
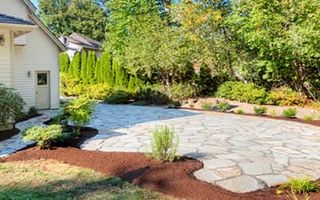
point(175, 179)
point(313, 122)
point(4, 135)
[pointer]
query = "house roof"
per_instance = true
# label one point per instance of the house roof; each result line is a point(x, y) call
point(82, 40)
point(32, 13)
point(6, 19)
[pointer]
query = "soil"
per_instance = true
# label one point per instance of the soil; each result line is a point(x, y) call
point(313, 122)
point(4, 135)
point(173, 179)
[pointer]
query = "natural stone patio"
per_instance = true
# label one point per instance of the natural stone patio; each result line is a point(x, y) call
point(240, 153)
point(16, 143)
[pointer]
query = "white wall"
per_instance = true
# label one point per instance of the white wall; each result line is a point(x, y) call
point(5, 59)
point(40, 54)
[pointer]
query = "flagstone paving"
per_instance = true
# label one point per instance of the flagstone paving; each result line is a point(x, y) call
point(16, 143)
point(239, 153)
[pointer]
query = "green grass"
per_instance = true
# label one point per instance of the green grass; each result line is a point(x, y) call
point(47, 179)
point(300, 186)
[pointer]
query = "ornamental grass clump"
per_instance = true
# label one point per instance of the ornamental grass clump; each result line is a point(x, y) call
point(164, 144)
point(45, 137)
point(223, 106)
point(290, 113)
point(299, 186)
point(260, 110)
point(79, 112)
point(207, 106)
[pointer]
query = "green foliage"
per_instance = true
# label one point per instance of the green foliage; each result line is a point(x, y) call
point(285, 96)
point(239, 91)
point(32, 111)
point(260, 110)
point(45, 136)
point(164, 144)
point(240, 111)
point(64, 17)
point(134, 84)
point(151, 95)
point(308, 118)
point(84, 67)
point(11, 105)
point(289, 113)
point(207, 106)
point(75, 66)
point(107, 75)
point(175, 104)
point(181, 91)
point(205, 81)
point(121, 76)
point(99, 91)
point(223, 106)
point(71, 86)
point(118, 97)
point(301, 186)
point(64, 62)
point(91, 63)
point(79, 112)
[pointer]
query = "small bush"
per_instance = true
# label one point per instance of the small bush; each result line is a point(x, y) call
point(11, 105)
point(164, 144)
point(45, 136)
point(152, 95)
point(99, 91)
point(175, 104)
point(207, 106)
point(79, 112)
point(119, 97)
point(273, 112)
point(285, 96)
point(300, 186)
point(239, 91)
point(181, 91)
point(308, 118)
point(289, 113)
point(240, 111)
point(71, 86)
point(223, 106)
point(260, 110)
point(33, 111)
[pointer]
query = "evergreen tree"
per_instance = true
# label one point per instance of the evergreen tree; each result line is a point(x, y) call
point(106, 69)
point(75, 66)
point(84, 61)
point(206, 83)
point(64, 62)
point(91, 62)
point(97, 72)
point(121, 76)
point(134, 84)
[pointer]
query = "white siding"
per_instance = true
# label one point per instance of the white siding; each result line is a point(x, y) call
point(40, 54)
point(5, 59)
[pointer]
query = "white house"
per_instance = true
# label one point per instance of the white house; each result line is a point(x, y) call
point(29, 55)
point(77, 42)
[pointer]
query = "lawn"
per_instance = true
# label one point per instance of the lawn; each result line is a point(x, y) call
point(49, 179)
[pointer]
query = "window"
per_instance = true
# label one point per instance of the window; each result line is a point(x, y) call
point(42, 78)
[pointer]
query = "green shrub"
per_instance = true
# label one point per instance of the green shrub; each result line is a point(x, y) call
point(205, 81)
point(223, 106)
point(45, 136)
point(118, 97)
point(175, 104)
point(71, 86)
point(290, 113)
point(99, 91)
point(239, 91)
point(79, 112)
point(301, 186)
point(152, 95)
point(240, 111)
point(207, 106)
point(33, 111)
point(308, 118)
point(181, 91)
point(260, 110)
point(164, 144)
point(11, 105)
point(285, 96)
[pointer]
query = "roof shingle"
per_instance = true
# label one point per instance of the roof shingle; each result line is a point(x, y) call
point(13, 20)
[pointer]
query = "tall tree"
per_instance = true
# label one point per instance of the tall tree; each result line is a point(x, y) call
point(84, 61)
point(64, 62)
point(64, 17)
point(75, 67)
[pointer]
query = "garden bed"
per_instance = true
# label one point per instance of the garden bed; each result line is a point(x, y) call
point(4, 135)
point(174, 179)
point(313, 122)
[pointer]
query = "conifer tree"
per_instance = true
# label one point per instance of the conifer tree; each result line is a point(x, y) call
point(91, 62)
point(97, 72)
point(84, 61)
point(107, 75)
point(64, 62)
point(75, 66)
point(121, 80)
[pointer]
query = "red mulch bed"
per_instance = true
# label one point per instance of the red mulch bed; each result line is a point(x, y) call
point(174, 179)
point(313, 122)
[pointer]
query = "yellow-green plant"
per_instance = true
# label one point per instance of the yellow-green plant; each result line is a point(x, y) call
point(290, 113)
point(240, 111)
point(300, 186)
point(45, 136)
point(308, 118)
point(260, 110)
point(164, 144)
point(223, 106)
point(207, 106)
point(79, 112)
point(273, 112)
